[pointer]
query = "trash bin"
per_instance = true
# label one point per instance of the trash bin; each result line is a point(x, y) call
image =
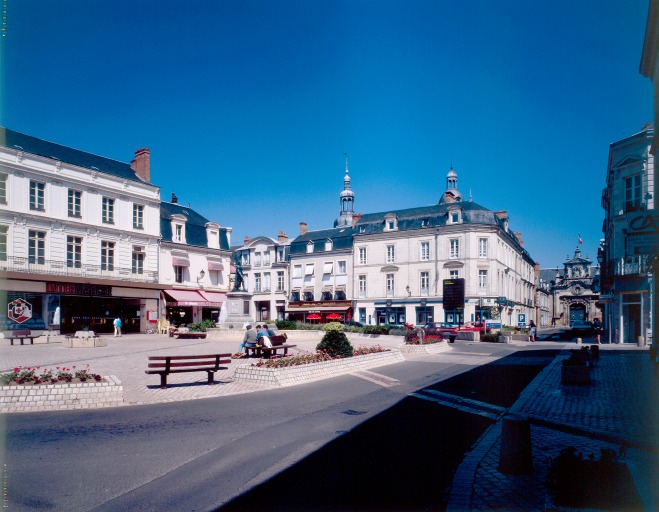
point(451, 338)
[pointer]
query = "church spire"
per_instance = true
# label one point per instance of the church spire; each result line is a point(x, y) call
point(347, 198)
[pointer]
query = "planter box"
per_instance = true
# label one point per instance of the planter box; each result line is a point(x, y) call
point(427, 348)
point(52, 397)
point(293, 375)
point(575, 374)
point(87, 342)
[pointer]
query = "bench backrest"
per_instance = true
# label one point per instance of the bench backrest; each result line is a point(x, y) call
point(278, 340)
point(206, 361)
point(21, 332)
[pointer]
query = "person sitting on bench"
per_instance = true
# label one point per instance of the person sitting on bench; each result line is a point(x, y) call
point(248, 340)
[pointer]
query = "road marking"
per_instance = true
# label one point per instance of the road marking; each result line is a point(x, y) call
point(494, 412)
point(376, 378)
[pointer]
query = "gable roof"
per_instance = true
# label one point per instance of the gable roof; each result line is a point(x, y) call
point(11, 139)
point(195, 226)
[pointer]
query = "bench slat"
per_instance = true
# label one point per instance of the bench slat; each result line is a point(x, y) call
point(206, 356)
point(186, 370)
point(199, 364)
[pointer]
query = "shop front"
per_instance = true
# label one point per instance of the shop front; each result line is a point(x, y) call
point(320, 312)
point(70, 307)
point(185, 307)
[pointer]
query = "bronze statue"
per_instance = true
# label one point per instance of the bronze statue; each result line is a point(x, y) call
point(239, 281)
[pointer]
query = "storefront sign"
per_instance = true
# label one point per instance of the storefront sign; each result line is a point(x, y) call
point(95, 290)
point(19, 310)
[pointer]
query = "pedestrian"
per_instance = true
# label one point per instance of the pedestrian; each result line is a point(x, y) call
point(597, 328)
point(249, 340)
point(117, 327)
point(532, 331)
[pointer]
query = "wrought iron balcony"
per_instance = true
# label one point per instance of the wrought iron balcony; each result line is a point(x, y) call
point(634, 266)
point(82, 271)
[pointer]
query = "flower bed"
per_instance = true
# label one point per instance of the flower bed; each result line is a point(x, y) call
point(318, 357)
point(43, 389)
point(281, 374)
point(426, 348)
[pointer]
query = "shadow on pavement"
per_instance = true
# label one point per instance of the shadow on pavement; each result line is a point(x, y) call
point(404, 458)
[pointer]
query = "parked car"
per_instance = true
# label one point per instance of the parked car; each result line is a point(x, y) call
point(440, 328)
point(475, 326)
point(582, 328)
point(354, 324)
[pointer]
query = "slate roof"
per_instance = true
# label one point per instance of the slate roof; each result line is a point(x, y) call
point(435, 216)
point(195, 227)
point(29, 144)
point(341, 239)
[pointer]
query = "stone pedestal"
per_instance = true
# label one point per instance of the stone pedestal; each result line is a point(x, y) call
point(235, 310)
point(516, 456)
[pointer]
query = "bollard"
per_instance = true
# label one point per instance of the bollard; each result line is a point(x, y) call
point(640, 341)
point(515, 457)
point(595, 351)
point(578, 341)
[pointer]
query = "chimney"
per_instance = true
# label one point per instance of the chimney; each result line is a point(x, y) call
point(356, 217)
point(536, 270)
point(174, 198)
point(503, 214)
point(141, 164)
point(282, 238)
point(303, 228)
point(246, 240)
point(518, 235)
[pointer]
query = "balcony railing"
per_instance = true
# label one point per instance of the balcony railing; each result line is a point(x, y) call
point(636, 265)
point(61, 268)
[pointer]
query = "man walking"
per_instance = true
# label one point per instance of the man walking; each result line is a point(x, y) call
point(117, 327)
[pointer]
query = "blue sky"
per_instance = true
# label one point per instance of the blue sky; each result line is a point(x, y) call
point(248, 106)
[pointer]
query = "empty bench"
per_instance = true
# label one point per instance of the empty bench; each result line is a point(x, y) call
point(277, 342)
point(164, 365)
point(21, 335)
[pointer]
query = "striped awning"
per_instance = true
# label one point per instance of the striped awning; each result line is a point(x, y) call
point(180, 261)
point(215, 265)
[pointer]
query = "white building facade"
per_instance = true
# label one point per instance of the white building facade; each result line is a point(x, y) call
point(194, 265)
point(79, 238)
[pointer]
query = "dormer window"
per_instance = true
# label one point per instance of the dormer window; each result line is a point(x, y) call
point(178, 228)
point(310, 247)
point(454, 216)
point(425, 223)
point(362, 229)
point(390, 222)
point(328, 245)
point(213, 235)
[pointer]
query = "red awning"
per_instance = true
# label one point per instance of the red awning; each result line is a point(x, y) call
point(215, 298)
point(313, 316)
point(180, 261)
point(185, 298)
point(334, 316)
point(215, 265)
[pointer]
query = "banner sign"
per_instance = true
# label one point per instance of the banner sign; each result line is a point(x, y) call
point(96, 290)
point(454, 293)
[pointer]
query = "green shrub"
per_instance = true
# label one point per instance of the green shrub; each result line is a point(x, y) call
point(377, 329)
point(336, 344)
point(333, 326)
point(288, 325)
point(398, 331)
point(491, 338)
point(202, 326)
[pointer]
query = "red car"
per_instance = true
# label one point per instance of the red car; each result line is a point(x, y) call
point(474, 326)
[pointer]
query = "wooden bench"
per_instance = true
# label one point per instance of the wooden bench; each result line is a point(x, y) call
point(176, 333)
point(21, 334)
point(278, 343)
point(164, 365)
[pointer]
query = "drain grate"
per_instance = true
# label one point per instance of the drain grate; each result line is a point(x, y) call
point(352, 412)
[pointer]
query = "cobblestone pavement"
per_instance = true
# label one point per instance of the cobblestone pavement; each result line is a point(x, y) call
point(617, 411)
